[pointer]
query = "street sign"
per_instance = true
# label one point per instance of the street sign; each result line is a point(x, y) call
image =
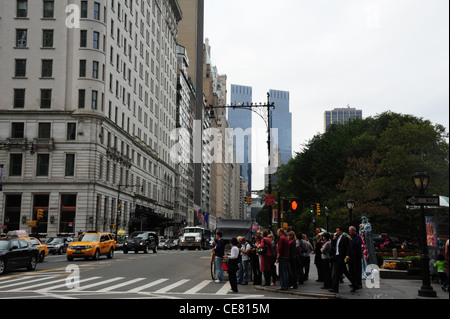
point(270, 200)
point(423, 200)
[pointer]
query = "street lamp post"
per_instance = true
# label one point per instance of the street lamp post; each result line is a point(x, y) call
point(327, 215)
point(421, 180)
point(263, 107)
point(350, 206)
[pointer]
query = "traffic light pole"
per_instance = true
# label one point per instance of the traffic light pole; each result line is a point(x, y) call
point(253, 107)
point(119, 206)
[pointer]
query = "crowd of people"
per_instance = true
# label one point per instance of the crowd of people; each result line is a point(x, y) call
point(286, 257)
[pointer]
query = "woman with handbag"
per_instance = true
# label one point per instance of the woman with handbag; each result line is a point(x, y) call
point(265, 251)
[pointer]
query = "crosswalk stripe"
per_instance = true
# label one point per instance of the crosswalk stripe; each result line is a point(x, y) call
point(172, 286)
point(41, 284)
point(99, 283)
point(199, 287)
point(21, 283)
point(120, 285)
point(65, 284)
point(224, 289)
point(149, 285)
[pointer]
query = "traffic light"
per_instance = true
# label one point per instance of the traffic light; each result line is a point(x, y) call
point(32, 224)
point(40, 214)
point(295, 205)
point(311, 209)
point(318, 209)
point(119, 210)
point(250, 200)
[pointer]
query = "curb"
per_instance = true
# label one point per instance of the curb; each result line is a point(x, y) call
point(300, 293)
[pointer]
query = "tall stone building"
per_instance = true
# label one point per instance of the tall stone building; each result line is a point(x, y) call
point(87, 103)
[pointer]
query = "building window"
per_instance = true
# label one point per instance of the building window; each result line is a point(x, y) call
point(96, 42)
point(84, 9)
point(49, 9)
point(82, 68)
point(22, 8)
point(95, 70)
point(47, 38)
point(71, 131)
point(47, 68)
point(46, 98)
point(44, 130)
point(41, 202)
point(19, 98)
point(94, 101)
point(70, 165)
point(43, 161)
point(15, 165)
point(83, 38)
point(96, 11)
point(68, 211)
point(20, 68)
point(21, 38)
point(17, 130)
point(81, 98)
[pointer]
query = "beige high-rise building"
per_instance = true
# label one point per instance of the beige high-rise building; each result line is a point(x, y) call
point(87, 103)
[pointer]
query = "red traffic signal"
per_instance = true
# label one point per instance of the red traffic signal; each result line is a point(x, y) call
point(294, 205)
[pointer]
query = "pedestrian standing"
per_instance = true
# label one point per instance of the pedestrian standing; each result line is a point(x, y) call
point(342, 251)
point(441, 264)
point(219, 251)
point(254, 260)
point(355, 258)
point(318, 257)
point(265, 249)
point(243, 265)
point(326, 260)
point(293, 275)
point(306, 256)
point(273, 260)
point(233, 265)
point(299, 257)
point(283, 259)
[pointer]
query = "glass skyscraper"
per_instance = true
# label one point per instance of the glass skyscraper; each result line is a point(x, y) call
point(282, 120)
point(242, 119)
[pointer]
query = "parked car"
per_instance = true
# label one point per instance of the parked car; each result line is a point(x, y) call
point(92, 244)
point(58, 245)
point(141, 240)
point(17, 253)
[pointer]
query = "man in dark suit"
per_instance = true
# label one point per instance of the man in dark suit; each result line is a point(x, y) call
point(342, 251)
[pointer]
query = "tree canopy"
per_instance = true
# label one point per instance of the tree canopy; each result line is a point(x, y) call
point(371, 161)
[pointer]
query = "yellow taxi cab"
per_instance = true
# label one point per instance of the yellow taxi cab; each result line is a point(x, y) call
point(92, 244)
point(43, 250)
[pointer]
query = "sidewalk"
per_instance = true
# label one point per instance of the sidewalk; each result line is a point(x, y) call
point(389, 289)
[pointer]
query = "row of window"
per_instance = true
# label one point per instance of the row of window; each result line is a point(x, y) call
point(44, 130)
point(42, 165)
point(48, 9)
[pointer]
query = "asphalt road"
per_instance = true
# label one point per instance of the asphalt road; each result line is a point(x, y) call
point(165, 275)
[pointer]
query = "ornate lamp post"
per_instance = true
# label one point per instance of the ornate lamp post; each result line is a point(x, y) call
point(350, 206)
point(327, 215)
point(264, 111)
point(421, 180)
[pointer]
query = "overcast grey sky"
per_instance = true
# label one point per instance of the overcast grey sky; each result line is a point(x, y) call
point(375, 55)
